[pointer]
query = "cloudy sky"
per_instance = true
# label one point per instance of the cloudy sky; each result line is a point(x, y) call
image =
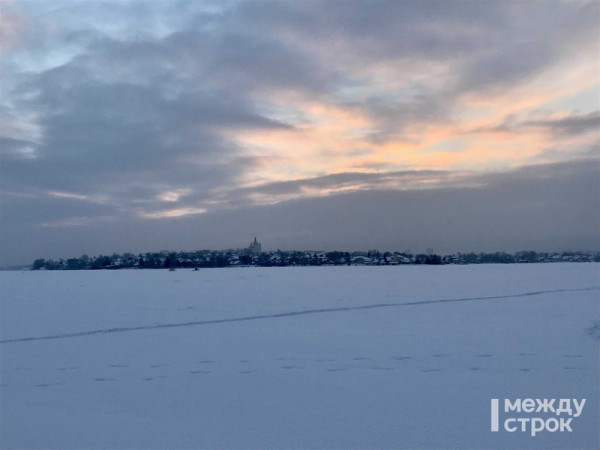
point(397, 125)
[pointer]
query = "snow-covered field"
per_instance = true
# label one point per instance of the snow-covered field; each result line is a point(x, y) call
point(329, 357)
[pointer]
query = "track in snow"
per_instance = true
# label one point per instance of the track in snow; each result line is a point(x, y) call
point(284, 314)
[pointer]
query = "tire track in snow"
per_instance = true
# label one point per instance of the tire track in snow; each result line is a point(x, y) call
point(285, 314)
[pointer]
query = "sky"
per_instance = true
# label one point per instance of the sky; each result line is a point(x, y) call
point(135, 126)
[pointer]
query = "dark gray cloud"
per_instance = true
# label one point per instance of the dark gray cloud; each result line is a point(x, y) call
point(101, 135)
point(543, 207)
point(394, 117)
point(525, 39)
point(16, 149)
point(377, 30)
point(358, 180)
point(491, 44)
point(574, 124)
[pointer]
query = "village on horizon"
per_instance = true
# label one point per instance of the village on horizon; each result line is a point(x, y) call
point(254, 256)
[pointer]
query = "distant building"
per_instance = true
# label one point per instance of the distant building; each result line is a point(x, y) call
point(361, 260)
point(255, 247)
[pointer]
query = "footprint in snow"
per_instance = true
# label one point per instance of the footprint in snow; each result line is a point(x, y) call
point(47, 384)
point(594, 331)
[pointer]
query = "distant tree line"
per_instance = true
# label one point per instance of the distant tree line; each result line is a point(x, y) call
point(227, 258)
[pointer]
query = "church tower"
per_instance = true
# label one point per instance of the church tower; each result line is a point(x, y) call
point(255, 247)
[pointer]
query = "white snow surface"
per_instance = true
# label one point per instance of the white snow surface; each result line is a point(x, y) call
point(326, 357)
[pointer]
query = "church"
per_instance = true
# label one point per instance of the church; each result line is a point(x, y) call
point(255, 247)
